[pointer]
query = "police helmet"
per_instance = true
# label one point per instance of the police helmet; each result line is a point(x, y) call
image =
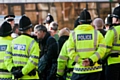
point(116, 12)
point(85, 17)
point(76, 23)
point(24, 23)
point(108, 19)
point(5, 29)
point(9, 17)
point(49, 18)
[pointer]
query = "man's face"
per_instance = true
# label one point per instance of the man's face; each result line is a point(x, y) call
point(12, 23)
point(17, 31)
point(39, 34)
point(114, 20)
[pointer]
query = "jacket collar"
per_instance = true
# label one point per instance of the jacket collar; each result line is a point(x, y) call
point(7, 37)
point(84, 27)
point(26, 34)
point(46, 37)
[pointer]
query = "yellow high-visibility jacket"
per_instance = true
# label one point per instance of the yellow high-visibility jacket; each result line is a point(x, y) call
point(86, 42)
point(24, 51)
point(112, 39)
point(64, 62)
point(4, 42)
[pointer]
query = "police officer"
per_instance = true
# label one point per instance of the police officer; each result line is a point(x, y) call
point(113, 47)
point(5, 41)
point(64, 65)
point(10, 19)
point(86, 46)
point(63, 62)
point(23, 53)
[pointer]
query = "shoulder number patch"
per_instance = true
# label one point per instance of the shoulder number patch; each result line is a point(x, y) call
point(84, 37)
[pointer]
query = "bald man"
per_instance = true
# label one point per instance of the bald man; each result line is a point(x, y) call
point(99, 24)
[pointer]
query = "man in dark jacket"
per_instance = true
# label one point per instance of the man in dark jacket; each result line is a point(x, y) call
point(48, 58)
point(63, 36)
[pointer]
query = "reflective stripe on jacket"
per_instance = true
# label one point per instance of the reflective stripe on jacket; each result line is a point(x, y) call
point(112, 39)
point(4, 73)
point(86, 42)
point(24, 51)
point(63, 60)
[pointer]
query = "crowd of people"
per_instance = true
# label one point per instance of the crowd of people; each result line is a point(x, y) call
point(42, 52)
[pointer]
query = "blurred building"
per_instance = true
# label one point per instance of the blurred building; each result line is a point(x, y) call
point(64, 13)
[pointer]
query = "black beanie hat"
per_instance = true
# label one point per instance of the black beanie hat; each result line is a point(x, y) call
point(49, 18)
point(116, 12)
point(85, 17)
point(5, 29)
point(24, 23)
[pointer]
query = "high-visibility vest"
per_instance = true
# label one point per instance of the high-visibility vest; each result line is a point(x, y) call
point(24, 51)
point(112, 39)
point(86, 42)
point(4, 73)
point(64, 62)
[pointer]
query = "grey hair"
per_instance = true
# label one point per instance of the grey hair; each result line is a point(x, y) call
point(40, 28)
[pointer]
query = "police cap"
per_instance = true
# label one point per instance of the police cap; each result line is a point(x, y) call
point(85, 17)
point(24, 23)
point(116, 12)
point(9, 17)
point(5, 29)
point(49, 18)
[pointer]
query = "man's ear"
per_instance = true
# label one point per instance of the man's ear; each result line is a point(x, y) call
point(93, 26)
point(30, 30)
point(80, 23)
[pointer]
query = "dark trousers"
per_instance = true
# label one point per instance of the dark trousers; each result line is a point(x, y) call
point(113, 72)
point(89, 76)
point(102, 77)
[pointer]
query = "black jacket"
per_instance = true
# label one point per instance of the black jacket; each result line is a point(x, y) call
point(102, 31)
point(49, 53)
point(61, 41)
